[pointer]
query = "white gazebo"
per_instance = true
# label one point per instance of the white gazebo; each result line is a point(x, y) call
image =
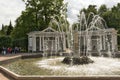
point(47, 40)
point(98, 41)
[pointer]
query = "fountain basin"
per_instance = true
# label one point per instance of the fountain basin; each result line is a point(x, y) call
point(99, 70)
point(46, 77)
point(53, 66)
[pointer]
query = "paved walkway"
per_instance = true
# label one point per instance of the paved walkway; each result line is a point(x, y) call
point(10, 56)
point(5, 57)
point(3, 77)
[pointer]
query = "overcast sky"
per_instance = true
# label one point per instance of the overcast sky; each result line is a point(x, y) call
point(75, 5)
point(11, 9)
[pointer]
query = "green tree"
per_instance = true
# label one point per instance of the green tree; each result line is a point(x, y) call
point(115, 20)
point(3, 30)
point(110, 15)
point(24, 24)
point(5, 41)
point(36, 17)
point(103, 9)
point(91, 8)
point(9, 29)
point(43, 10)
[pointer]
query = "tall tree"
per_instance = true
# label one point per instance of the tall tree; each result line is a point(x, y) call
point(103, 8)
point(112, 17)
point(36, 17)
point(43, 10)
point(91, 8)
point(3, 31)
point(9, 29)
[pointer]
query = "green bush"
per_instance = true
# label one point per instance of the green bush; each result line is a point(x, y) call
point(5, 41)
point(22, 43)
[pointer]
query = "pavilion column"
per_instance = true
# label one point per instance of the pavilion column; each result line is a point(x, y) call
point(30, 43)
point(58, 43)
point(79, 43)
point(43, 43)
point(40, 43)
point(64, 43)
point(34, 44)
point(90, 43)
point(115, 42)
point(104, 41)
point(55, 43)
point(100, 42)
point(112, 42)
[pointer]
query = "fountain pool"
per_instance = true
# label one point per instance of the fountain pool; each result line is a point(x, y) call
point(53, 66)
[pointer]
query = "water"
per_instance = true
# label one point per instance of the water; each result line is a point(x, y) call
point(88, 36)
point(102, 66)
point(53, 66)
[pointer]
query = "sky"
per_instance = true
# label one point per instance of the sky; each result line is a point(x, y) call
point(11, 9)
point(74, 6)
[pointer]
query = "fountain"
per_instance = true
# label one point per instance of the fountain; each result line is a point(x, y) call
point(88, 38)
point(89, 51)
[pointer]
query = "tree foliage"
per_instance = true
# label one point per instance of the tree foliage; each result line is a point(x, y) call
point(5, 41)
point(9, 29)
point(103, 9)
point(6, 29)
point(110, 15)
point(36, 17)
point(91, 8)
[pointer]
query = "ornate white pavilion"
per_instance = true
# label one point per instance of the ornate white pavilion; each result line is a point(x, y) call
point(47, 40)
point(51, 40)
